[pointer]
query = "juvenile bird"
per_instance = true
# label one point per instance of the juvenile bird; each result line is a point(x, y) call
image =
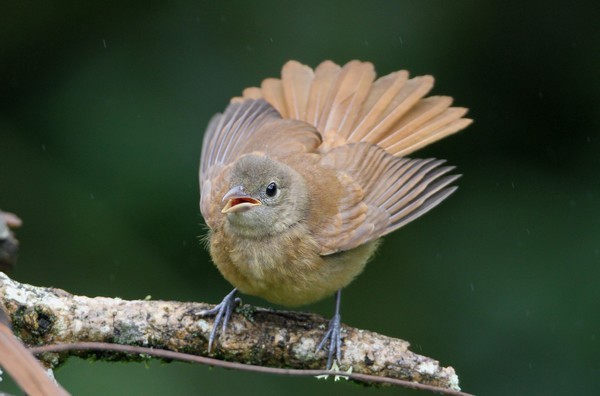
point(301, 177)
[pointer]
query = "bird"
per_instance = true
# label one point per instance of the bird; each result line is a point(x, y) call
point(301, 177)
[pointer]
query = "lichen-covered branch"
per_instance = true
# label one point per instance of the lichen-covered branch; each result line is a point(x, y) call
point(43, 316)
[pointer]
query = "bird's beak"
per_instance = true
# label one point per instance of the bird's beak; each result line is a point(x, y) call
point(238, 201)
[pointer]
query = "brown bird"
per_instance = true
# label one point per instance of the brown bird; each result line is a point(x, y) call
point(301, 177)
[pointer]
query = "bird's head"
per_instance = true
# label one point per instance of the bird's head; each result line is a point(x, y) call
point(265, 197)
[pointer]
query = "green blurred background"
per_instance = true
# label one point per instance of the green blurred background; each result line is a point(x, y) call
point(104, 104)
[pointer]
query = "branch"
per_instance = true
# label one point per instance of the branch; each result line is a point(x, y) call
point(46, 316)
point(23, 367)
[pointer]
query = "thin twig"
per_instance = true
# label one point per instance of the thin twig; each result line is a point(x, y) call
point(184, 357)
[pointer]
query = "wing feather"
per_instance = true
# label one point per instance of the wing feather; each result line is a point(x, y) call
point(380, 193)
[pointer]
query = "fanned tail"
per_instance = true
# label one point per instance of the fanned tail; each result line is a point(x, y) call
point(346, 104)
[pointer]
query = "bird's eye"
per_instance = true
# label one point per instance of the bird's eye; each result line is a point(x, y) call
point(271, 189)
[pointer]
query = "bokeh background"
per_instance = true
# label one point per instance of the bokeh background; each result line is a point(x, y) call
point(104, 104)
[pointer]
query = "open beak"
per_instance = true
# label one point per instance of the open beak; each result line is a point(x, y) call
point(238, 201)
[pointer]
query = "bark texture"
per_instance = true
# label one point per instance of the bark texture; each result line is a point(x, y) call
point(43, 316)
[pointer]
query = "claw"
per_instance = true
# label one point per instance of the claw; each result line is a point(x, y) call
point(222, 312)
point(333, 335)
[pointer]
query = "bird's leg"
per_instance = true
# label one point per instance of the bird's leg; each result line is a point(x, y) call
point(333, 335)
point(222, 313)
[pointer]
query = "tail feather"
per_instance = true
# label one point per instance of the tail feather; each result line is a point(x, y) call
point(398, 106)
point(435, 129)
point(382, 92)
point(251, 93)
point(346, 99)
point(420, 113)
point(326, 74)
point(296, 80)
point(346, 104)
point(272, 91)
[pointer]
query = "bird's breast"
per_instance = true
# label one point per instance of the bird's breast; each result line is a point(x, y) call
point(285, 268)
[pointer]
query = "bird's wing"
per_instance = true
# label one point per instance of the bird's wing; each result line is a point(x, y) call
point(251, 126)
point(379, 194)
point(347, 105)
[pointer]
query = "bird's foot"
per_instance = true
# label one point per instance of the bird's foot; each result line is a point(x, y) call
point(222, 313)
point(333, 335)
point(333, 340)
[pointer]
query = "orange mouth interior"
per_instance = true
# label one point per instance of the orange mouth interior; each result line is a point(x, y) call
point(237, 201)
